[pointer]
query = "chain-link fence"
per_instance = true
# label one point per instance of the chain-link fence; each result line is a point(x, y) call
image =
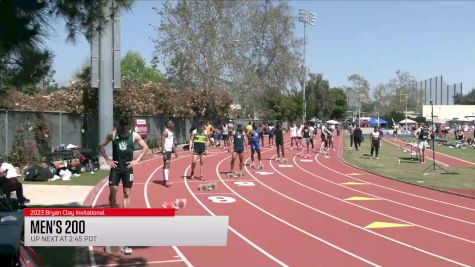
point(82, 129)
point(435, 89)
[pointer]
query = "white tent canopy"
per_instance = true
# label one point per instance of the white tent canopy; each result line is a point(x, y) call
point(407, 121)
point(332, 122)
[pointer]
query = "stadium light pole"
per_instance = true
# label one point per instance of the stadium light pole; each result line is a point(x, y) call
point(305, 17)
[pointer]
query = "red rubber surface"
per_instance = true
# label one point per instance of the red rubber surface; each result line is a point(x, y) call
point(298, 216)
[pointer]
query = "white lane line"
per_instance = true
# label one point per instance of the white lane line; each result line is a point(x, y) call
point(346, 222)
point(267, 254)
point(408, 144)
point(392, 201)
point(138, 263)
point(214, 193)
point(443, 154)
point(395, 190)
point(92, 259)
point(362, 207)
point(289, 224)
point(147, 203)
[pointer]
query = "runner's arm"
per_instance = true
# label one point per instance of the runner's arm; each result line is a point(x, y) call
point(164, 137)
point(190, 143)
point(138, 139)
point(103, 144)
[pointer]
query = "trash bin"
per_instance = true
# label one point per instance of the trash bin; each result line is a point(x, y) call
point(11, 226)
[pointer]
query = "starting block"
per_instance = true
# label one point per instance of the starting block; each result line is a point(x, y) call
point(230, 175)
point(178, 204)
point(207, 187)
point(260, 167)
point(111, 249)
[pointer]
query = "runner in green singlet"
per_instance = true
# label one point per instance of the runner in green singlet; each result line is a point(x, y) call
point(198, 147)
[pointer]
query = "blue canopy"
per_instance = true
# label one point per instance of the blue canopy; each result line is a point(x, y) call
point(375, 121)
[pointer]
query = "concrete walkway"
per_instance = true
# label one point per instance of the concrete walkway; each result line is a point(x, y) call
point(71, 195)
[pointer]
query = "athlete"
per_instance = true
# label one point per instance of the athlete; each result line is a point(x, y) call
point(168, 147)
point(422, 135)
point(271, 134)
point(306, 133)
point(299, 136)
point(375, 138)
point(279, 142)
point(262, 130)
point(330, 138)
point(324, 137)
point(225, 135)
point(238, 139)
point(122, 163)
point(199, 148)
point(293, 135)
point(249, 128)
point(254, 142)
point(312, 134)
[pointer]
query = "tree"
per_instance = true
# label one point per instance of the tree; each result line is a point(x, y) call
point(266, 53)
point(338, 96)
point(468, 99)
point(190, 43)
point(24, 25)
point(317, 96)
point(245, 48)
point(134, 70)
point(358, 93)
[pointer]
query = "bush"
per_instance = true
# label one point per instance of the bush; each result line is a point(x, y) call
point(42, 134)
point(23, 153)
point(156, 99)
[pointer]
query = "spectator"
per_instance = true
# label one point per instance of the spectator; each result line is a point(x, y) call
point(9, 182)
point(375, 138)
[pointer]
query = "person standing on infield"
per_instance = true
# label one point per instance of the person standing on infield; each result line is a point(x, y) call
point(375, 139)
point(122, 163)
point(422, 135)
point(238, 139)
point(168, 147)
point(199, 148)
point(351, 129)
point(358, 137)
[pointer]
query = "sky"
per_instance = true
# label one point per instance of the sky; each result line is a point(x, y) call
point(370, 38)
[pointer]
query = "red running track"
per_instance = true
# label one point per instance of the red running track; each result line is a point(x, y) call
point(300, 215)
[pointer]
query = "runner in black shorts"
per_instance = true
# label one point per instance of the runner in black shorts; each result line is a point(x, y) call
point(122, 162)
point(198, 147)
point(279, 141)
point(306, 137)
point(239, 141)
point(262, 130)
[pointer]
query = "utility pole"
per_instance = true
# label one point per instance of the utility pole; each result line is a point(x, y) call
point(105, 68)
point(305, 17)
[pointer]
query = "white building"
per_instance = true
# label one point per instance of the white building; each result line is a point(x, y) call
point(449, 112)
